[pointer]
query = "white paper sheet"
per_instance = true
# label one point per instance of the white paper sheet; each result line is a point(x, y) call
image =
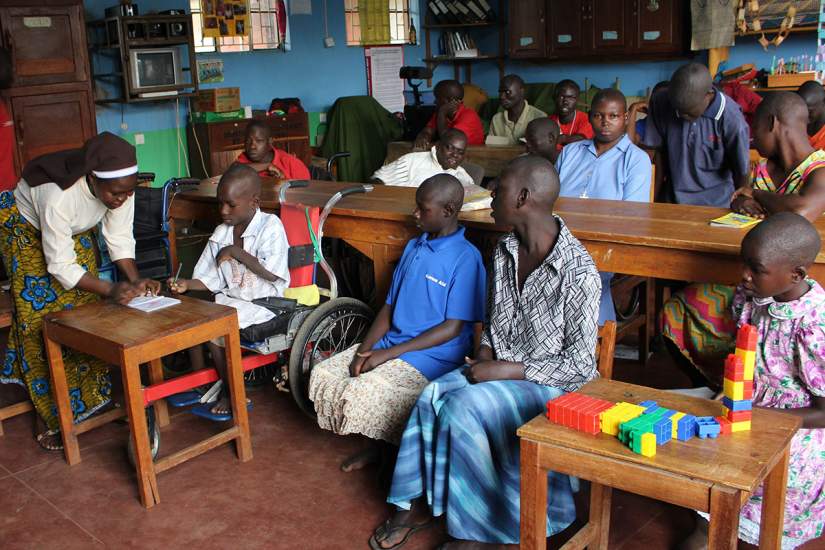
point(300, 7)
point(152, 303)
point(385, 86)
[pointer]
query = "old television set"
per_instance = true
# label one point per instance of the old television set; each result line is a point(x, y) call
point(155, 71)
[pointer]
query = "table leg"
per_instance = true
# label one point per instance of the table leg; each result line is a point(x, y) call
point(773, 504)
point(60, 393)
point(237, 395)
point(600, 498)
point(144, 467)
point(156, 377)
point(533, 498)
point(723, 531)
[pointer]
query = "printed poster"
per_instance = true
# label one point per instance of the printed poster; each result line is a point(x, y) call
point(225, 18)
point(210, 71)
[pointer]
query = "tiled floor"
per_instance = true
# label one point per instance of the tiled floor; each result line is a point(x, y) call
point(291, 495)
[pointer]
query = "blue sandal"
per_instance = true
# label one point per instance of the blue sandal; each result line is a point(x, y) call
point(205, 411)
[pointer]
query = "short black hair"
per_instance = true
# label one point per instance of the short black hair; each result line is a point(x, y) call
point(538, 175)
point(258, 124)
point(786, 238)
point(451, 88)
point(452, 132)
point(445, 189)
point(812, 92)
point(788, 107)
point(689, 85)
point(543, 125)
point(512, 78)
point(244, 176)
point(609, 94)
point(567, 83)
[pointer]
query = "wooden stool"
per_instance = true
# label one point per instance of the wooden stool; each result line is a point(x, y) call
point(9, 411)
point(126, 338)
point(709, 475)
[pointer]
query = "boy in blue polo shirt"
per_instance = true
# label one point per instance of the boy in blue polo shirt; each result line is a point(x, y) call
point(704, 137)
point(424, 330)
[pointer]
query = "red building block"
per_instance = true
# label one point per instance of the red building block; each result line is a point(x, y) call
point(747, 393)
point(590, 418)
point(739, 416)
point(746, 338)
point(724, 425)
point(734, 368)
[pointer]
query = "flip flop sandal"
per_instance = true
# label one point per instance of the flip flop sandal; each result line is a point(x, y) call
point(41, 440)
point(205, 411)
point(387, 528)
point(184, 399)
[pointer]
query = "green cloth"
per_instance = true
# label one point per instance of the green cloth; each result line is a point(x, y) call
point(361, 126)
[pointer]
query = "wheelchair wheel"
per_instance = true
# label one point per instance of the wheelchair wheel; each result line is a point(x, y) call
point(331, 328)
point(154, 437)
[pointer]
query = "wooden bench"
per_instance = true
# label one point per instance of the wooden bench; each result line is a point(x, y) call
point(9, 411)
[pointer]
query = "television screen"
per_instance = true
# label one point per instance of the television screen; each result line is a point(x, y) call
point(155, 69)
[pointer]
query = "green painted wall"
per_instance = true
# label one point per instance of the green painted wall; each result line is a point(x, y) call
point(161, 153)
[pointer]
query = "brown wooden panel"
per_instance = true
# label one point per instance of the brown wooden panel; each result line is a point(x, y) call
point(226, 136)
point(47, 44)
point(659, 29)
point(609, 22)
point(527, 28)
point(51, 122)
point(566, 23)
point(291, 125)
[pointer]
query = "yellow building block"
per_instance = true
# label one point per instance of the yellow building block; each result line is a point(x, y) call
point(743, 426)
point(734, 390)
point(675, 421)
point(748, 361)
point(649, 444)
point(617, 414)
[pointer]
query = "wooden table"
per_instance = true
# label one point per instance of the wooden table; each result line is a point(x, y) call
point(709, 475)
point(666, 241)
point(493, 158)
point(126, 337)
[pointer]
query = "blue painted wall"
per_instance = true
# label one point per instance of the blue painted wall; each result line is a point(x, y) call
point(319, 75)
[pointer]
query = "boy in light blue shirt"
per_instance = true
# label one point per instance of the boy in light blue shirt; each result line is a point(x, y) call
point(609, 166)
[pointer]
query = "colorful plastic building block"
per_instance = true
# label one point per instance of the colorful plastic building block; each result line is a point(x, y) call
point(577, 411)
point(686, 428)
point(618, 414)
point(747, 338)
point(734, 367)
point(707, 426)
point(738, 416)
point(724, 425)
point(675, 424)
point(736, 406)
point(648, 445)
point(740, 426)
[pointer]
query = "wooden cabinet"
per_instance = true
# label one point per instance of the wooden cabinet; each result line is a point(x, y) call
point(597, 29)
point(213, 146)
point(527, 20)
point(47, 44)
point(50, 99)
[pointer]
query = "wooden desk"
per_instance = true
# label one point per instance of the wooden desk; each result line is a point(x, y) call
point(709, 475)
point(666, 241)
point(492, 158)
point(127, 338)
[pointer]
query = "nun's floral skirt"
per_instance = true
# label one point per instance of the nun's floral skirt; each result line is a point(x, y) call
point(34, 294)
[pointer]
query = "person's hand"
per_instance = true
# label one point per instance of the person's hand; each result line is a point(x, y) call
point(226, 253)
point(375, 358)
point(273, 171)
point(148, 286)
point(638, 107)
point(450, 108)
point(743, 202)
point(484, 371)
point(123, 292)
point(422, 142)
point(181, 286)
point(357, 363)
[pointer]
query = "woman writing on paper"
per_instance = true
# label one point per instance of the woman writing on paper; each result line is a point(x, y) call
point(46, 241)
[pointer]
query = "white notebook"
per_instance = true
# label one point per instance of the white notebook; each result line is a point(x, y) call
point(152, 303)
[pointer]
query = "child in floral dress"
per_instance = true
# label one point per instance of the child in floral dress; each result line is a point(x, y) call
point(788, 310)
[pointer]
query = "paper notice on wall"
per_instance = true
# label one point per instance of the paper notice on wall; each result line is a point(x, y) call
point(300, 7)
point(383, 83)
point(225, 18)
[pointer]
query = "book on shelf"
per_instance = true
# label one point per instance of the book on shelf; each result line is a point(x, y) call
point(452, 12)
point(732, 219)
point(458, 44)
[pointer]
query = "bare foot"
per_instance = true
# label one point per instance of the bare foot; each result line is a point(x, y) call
point(698, 539)
point(361, 459)
point(401, 526)
point(224, 406)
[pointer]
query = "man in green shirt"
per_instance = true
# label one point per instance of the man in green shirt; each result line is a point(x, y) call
point(512, 121)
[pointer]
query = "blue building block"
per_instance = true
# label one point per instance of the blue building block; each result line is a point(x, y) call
point(707, 426)
point(686, 428)
point(663, 428)
point(649, 406)
point(736, 406)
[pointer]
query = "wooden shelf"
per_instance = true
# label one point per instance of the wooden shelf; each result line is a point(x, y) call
point(805, 28)
point(446, 59)
point(144, 99)
point(463, 25)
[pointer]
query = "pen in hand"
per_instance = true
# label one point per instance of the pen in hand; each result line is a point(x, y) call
point(174, 284)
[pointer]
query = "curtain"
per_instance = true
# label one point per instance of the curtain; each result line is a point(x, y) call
point(374, 17)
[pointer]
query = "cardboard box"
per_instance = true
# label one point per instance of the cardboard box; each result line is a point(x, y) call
point(210, 116)
point(217, 100)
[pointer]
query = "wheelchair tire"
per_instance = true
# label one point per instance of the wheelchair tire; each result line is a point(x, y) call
point(154, 437)
point(331, 328)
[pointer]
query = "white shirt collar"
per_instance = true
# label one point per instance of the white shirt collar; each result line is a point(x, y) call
point(223, 233)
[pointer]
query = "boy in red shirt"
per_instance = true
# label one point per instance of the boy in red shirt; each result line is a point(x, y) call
point(450, 113)
point(8, 177)
point(261, 155)
point(574, 124)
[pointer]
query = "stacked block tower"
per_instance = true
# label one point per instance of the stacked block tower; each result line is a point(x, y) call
point(738, 382)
